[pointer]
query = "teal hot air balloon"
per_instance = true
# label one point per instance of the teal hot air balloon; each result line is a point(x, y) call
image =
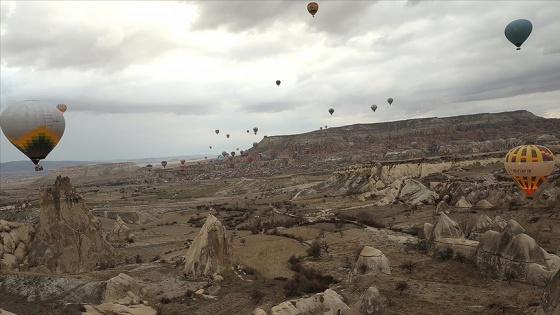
point(518, 31)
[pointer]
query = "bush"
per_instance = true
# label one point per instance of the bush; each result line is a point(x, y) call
point(401, 287)
point(510, 275)
point(257, 296)
point(314, 250)
point(445, 252)
point(408, 265)
point(138, 259)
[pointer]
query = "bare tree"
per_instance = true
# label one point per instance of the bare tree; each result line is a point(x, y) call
point(401, 287)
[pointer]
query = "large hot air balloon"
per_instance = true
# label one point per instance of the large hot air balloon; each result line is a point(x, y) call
point(312, 7)
point(529, 166)
point(278, 82)
point(374, 107)
point(390, 100)
point(164, 163)
point(227, 136)
point(255, 130)
point(182, 161)
point(62, 108)
point(217, 131)
point(331, 110)
point(518, 31)
point(34, 127)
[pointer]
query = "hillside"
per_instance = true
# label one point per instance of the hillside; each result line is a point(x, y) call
point(421, 137)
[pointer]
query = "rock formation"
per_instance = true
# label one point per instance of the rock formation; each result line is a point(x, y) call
point(258, 311)
point(120, 233)
point(15, 239)
point(550, 302)
point(445, 228)
point(372, 259)
point(211, 251)
point(446, 233)
point(123, 289)
point(328, 300)
point(69, 238)
point(514, 251)
point(369, 304)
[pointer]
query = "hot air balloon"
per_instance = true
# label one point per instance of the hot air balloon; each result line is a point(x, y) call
point(278, 82)
point(255, 130)
point(247, 130)
point(210, 146)
point(164, 163)
point(34, 127)
point(529, 166)
point(331, 110)
point(312, 7)
point(227, 136)
point(237, 149)
point(326, 126)
point(241, 152)
point(232, 153)
point(217, 131)
point(224, 153)
point(321, 128)
point(62, 108)
point(374, 107)
point(518, 31)
point(255, 144)
point(390, 100)
point(182, 161)
point(149, 167)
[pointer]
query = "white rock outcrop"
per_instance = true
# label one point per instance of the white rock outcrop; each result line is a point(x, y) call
point(369, 304)
point(210, 252)
point(329, 302)
point(372, 259)
point(120, 233)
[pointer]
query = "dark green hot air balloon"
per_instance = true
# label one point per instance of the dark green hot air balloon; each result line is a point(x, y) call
point(518, 31)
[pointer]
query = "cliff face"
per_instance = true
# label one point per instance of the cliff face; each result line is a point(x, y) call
point(422, 137)
point(69, 238)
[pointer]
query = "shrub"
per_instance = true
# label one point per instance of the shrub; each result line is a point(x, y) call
point(445, 252)
point(138, 259)
point(314, 250)
point(408, 265)
point(510, 275)
point(257, 296)
point(401, 287)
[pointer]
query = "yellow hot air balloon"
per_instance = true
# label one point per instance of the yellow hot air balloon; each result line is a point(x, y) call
point(62, 108)
point(529, 166)
point(33, 127)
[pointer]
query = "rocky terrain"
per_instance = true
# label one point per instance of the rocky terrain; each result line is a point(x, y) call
point(435, 229)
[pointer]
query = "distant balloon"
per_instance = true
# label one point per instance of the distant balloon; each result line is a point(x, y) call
point(529, 166)
point(241, 152)
point(518, 31)
point(326, 126)
point(255, 144)
point(278, 82)
point(247, 130)
point(224, 153)
point(321, 128)
point(205, 157)
point(149, 167)
point(237, 149)
point(232, 153)
point(210, 146)
point(62, 108)
point(390, 100)
point(331, 110)
point(164, 163)
point(374, 107)
point(182, 161)
point(255, 130)
point(227, 136)
point(217, 131)
point(312, 8)
point(34, 127)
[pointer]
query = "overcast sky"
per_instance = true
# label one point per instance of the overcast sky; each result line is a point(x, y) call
point(156, 78)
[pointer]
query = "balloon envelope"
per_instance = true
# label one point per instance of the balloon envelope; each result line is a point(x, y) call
point(217, 131)
point(374, 107)
point(182, 161)
point(518, 31)
point(255, 144)
point(331, 110)
point(255, 130)
point(529, 166)
point(62, 108)
point(227, 136)
point(278, 82)
point(390, 100)
point(312, 8)
point(164, 163)
point(34, 127)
